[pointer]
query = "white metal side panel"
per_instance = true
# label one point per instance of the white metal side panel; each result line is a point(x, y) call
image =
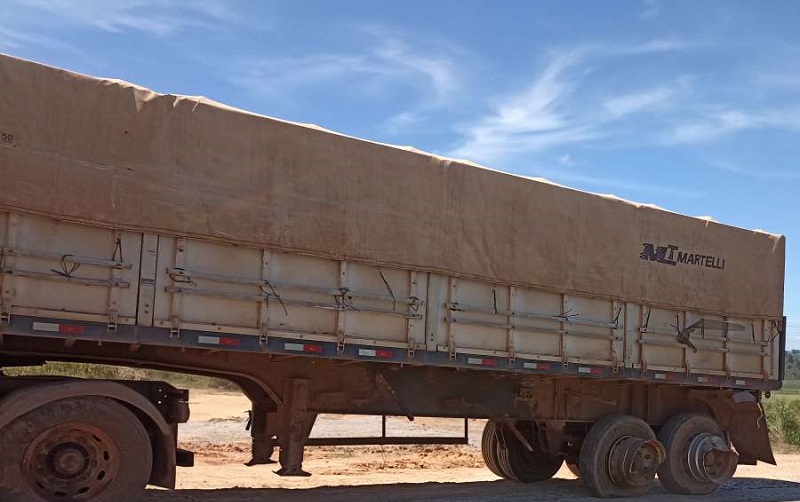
point(660, 349)
point(66, 270)
point(302, 289)
point(214, 287)
point(477, 314)
point(515, 322)
point(589, 326)
point(537, 332)
point(384, 305)
point(62, 270)
point(206, 284)
point(712, 345)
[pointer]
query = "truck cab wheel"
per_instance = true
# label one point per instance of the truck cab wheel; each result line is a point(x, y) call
point(81, 448)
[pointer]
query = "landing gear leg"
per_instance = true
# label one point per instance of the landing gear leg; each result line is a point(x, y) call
point(295, 426)
point(263, 435)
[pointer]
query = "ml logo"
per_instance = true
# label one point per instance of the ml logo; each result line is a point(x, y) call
point(671, 254)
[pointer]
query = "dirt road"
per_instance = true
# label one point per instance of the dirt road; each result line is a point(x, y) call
point(397, 474)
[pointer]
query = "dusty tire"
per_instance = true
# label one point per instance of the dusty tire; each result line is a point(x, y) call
point(676, 435)
point(594, 462)
point(81, 448)
point(496, 453)
point(490, 448)
point(527, 466)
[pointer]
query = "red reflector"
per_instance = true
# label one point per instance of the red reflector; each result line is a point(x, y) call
point(543, 366)
point(489, 362)
point(229, 342)
point(597, 371)
point(386, 354)
point(70, 329)
point(316, 349)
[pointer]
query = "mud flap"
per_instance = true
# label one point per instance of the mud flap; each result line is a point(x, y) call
point(742, 416)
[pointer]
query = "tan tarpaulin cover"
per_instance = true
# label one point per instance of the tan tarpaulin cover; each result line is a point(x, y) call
point(108, 152)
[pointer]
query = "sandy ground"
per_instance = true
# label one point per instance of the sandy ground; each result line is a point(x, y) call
point(396, 473)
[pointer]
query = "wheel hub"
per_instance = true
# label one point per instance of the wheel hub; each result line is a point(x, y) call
point(70, 462)
point(633, 461)
point(710, 458)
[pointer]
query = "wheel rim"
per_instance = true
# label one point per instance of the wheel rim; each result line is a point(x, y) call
point(710, 458)
point(633, 461)
point(71, 462)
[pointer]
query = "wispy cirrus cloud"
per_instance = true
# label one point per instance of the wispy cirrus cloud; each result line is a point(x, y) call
point(388, 66)
point(14, 39)
point(713, 124)
point(710, 126)
point(544, 115)
point(388, 63)
point(638, 101)
point(157, 17)
point(760, 172)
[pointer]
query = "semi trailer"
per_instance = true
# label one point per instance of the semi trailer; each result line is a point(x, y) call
point(327, 274)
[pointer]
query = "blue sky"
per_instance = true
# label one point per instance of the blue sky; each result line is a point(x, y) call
point(693, 106)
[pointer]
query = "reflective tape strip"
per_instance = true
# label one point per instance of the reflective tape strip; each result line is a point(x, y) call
point(303, 347)
point(217, 340)
point(482, 361)
point(45, 326)
point(536, 366)
point(380, 353)
point(51, 327)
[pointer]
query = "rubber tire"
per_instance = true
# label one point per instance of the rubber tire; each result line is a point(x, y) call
point(523, 465)
point(490, 448)
point(675, 435)
point(136, 456)
point(592, 461)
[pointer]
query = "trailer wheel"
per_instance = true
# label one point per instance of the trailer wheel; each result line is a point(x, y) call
point(699, 457)
point(82, 448)
point(619, 457)
point(490, 446)
point(523, 465)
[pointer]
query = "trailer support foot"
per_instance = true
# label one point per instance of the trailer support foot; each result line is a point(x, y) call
point(262, 425)
point(295, 427)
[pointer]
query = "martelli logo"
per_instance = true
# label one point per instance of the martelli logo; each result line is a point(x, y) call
point(672, 255)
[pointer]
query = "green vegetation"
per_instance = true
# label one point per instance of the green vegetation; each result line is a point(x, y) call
point(793, 366)
point(81, 370)
point(782, 418)
point(783, 409)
